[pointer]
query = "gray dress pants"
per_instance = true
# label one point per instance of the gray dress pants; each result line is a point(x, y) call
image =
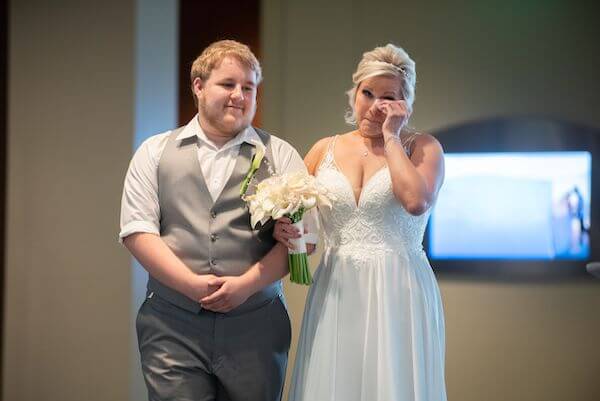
point(209, 356)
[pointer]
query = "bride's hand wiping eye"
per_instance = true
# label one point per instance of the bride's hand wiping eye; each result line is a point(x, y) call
point(397, 113)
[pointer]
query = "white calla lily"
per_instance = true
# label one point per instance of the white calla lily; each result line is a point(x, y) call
point(283, 195)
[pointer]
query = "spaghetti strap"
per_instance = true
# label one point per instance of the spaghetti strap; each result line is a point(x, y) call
point(328, 161)
point(408, 142)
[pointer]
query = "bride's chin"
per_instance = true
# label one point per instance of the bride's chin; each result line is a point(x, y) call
point(370, 133)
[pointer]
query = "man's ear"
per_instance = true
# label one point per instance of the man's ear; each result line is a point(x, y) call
point(197, 85)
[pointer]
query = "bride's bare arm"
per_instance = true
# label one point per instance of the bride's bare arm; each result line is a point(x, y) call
point(416, 180)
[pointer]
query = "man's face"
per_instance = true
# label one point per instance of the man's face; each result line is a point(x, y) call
point(227, 99)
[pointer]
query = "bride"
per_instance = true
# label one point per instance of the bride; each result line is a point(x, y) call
point(373, 326)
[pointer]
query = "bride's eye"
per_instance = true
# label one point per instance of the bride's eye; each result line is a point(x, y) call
point(367, 93)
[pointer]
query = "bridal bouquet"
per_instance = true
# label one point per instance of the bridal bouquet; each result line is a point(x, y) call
point(289, 195)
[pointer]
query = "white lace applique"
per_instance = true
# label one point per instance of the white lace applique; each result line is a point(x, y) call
point(377, 223)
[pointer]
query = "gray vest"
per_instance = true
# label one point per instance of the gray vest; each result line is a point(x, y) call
point(210, 237)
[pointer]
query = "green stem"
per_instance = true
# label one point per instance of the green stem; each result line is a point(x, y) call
point(304, 270)
point(299, 269)
point(297, 265)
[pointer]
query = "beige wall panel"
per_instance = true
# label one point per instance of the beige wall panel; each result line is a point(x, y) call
point(70, 135)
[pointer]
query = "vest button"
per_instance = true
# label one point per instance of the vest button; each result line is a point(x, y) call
point(213, 214)
point(213, 262)
point(213, 237)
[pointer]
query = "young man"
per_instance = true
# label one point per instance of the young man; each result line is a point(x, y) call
point(213, 325)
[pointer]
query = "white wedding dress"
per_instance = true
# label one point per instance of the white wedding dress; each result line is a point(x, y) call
point(373, 326)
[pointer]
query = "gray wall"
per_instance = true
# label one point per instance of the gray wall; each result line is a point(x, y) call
point(475, 59)
point(70, 134)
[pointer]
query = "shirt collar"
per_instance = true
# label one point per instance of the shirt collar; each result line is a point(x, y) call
point(248, 135)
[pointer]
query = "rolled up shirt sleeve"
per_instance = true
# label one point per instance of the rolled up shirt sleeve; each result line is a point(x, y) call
point(288, 160)
point(140, 210)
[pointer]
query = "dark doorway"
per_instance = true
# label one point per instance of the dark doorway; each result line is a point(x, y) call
point(200, 24)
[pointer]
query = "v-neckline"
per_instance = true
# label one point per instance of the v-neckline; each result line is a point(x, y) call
point(357, 202)
point(347, 180)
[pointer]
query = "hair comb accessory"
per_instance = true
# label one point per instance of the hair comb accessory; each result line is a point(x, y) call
point(384, 64)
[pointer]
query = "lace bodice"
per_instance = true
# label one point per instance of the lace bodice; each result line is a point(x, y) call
point(377, 221)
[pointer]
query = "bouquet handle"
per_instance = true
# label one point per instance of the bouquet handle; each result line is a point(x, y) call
point(298, 258)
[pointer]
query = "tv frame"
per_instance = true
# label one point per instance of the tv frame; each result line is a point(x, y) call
point(524, 134)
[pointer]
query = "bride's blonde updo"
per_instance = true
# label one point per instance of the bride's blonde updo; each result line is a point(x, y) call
point(386, 60)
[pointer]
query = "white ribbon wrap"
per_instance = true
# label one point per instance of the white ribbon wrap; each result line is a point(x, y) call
point(299, 243)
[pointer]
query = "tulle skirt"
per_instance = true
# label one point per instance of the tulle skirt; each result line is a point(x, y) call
point(373, 329)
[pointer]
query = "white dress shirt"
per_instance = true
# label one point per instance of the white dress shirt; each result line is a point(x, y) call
point(140, 210)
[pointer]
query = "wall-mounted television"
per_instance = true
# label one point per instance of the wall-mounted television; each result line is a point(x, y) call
point(520, 200)
point(513, 205)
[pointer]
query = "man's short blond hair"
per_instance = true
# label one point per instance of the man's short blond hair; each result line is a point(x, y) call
point(214, 54)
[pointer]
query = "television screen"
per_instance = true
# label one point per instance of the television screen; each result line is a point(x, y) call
point(533, 205)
